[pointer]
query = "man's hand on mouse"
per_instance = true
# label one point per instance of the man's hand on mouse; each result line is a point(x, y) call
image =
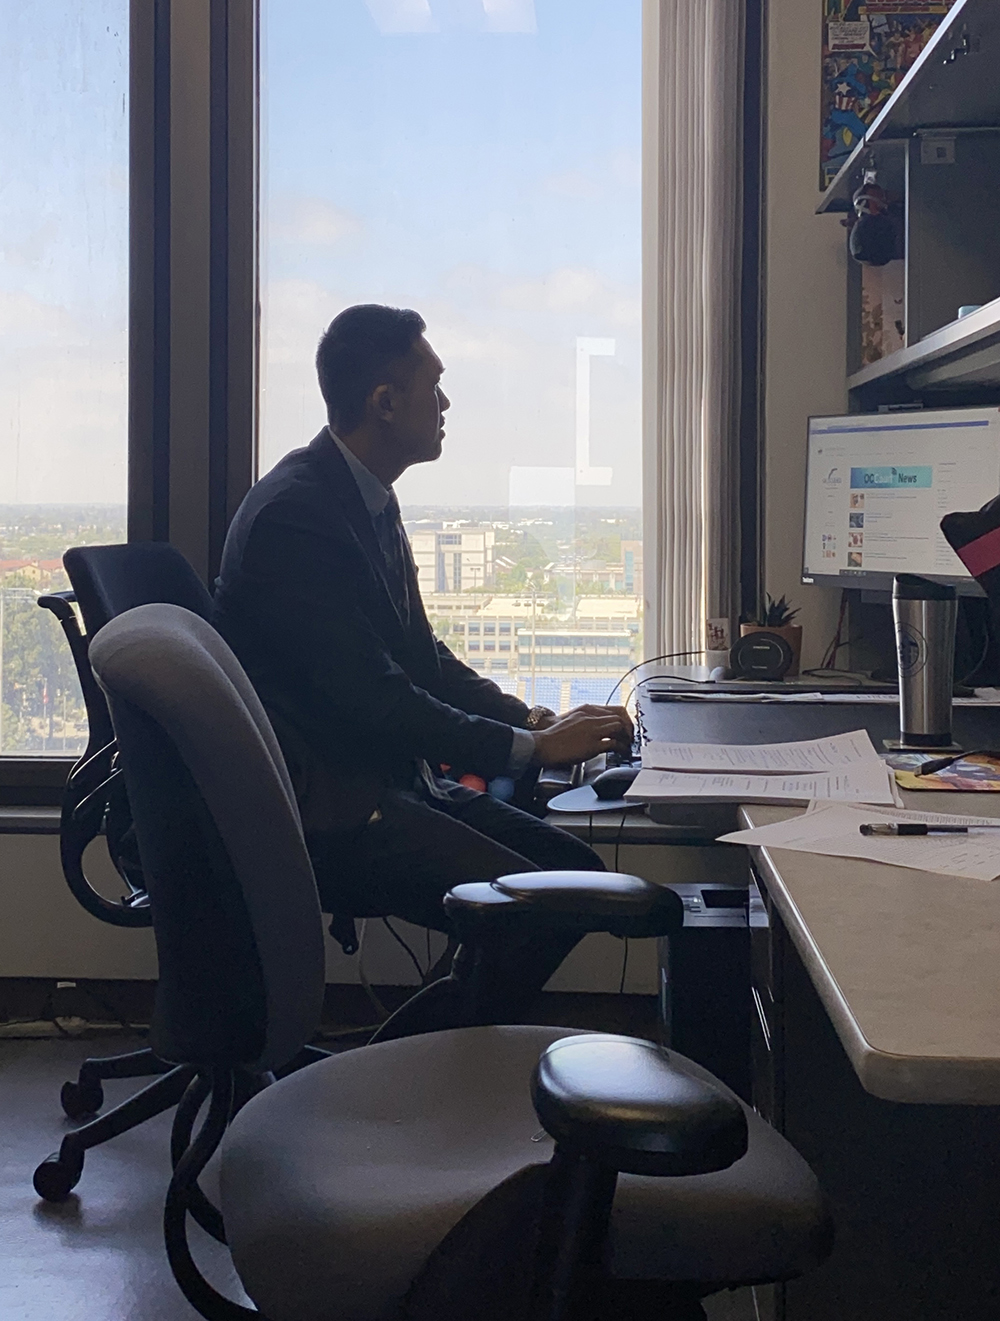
point(583, 733)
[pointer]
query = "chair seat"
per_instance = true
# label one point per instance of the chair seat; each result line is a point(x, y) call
point(339, 1181)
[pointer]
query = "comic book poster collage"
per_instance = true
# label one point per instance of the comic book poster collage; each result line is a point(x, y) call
point(868, 45)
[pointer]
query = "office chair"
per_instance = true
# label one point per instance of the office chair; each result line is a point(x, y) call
point(479, 1171)
point(106, 581)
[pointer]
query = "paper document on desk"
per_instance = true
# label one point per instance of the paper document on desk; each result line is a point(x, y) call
point(833, 829)
point(866, 783)
point(809, 756)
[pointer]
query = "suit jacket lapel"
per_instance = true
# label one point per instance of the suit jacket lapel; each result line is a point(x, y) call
point(341, 481)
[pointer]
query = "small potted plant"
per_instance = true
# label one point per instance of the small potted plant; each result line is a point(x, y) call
point(777, 617)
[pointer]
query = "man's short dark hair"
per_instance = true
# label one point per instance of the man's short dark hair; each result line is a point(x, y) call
point(358, 353)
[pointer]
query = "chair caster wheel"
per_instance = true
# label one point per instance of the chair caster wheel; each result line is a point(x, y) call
point(55, 1178)
point(79, 1100)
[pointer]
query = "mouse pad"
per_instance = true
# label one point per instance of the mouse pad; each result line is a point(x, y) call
point(585, 800)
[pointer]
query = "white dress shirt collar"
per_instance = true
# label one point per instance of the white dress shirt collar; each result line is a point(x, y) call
point(373, 493)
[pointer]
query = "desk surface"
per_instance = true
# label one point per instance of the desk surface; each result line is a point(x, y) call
point(776, 722)
point(907, 964)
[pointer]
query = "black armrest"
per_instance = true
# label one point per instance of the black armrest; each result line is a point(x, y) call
point(61, 605)
point(583, 900)
point(620, 1102)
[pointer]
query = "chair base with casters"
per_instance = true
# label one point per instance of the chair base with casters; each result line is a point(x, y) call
point(56, 1177)
point(59, 1173)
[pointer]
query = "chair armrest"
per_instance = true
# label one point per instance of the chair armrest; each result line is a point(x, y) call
point(581, 900)
point(619, 1102)
point(60, 603)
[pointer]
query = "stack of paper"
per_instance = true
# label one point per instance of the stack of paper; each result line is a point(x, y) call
point(845, 768)
point(833, 829)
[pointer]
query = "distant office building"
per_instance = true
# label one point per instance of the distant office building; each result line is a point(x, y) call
point(623, 576)
point(571, 650)
point(452, 557)
point(632, 567)
point(489, 636)
point(595, 573)
point(609, 613)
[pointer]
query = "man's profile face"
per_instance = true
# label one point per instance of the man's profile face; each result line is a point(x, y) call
point(418, 405)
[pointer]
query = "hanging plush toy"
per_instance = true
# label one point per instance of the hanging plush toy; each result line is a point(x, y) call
point(873, 234)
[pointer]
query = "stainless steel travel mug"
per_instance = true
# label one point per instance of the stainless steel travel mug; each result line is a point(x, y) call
point(925, 614)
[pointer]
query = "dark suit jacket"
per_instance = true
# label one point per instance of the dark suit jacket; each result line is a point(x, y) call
point(356, 693)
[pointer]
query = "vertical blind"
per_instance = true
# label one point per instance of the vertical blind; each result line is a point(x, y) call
point(692, 217)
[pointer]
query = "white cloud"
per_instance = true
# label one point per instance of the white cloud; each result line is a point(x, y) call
point(396, 16)
point(597, 177)
point(311, 220)
point(576, 290)
point(578, 184)
point(63, 405)
point(510, 375)
point(573, 300)
point(568, 289)
point(510, 15)
point(27, 320)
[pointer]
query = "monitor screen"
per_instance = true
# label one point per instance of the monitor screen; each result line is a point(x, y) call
point(878, 485)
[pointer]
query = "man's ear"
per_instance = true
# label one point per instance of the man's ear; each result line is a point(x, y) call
point(382, 402)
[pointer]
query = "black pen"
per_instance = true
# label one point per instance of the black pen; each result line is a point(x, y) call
point(942, 763)
point(919, 828)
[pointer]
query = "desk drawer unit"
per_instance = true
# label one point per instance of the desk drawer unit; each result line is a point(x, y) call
point(705, 982)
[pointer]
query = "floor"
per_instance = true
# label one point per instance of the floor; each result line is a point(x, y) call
point(99, 1256)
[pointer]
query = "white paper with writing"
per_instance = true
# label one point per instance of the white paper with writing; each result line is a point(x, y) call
point(832, 829)
point(866, 783)
point(839, 752)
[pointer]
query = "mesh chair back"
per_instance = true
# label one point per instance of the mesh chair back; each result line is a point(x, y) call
point(235, 910)
point(108, 580)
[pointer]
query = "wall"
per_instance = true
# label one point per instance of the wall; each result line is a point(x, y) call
point(45, 933)
point(806, 291)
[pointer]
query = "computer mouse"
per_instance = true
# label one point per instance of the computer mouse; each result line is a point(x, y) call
point(613, 783)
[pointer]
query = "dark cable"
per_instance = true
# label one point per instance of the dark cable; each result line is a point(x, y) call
point(113, 1013)
point(674, 655)
point(397, 937)
point(621, 985)
point(829, 660)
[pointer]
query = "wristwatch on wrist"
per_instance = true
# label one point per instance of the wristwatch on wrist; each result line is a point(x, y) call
point(537, 716)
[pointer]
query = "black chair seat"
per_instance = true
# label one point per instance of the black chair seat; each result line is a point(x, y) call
point(338, 1182)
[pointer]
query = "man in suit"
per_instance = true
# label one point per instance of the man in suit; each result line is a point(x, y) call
point(318, 597)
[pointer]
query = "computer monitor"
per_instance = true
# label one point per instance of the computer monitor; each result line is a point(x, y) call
point(878, 485)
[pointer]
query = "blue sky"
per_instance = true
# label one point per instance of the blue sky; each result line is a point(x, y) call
point(490, 179)
point(63, 250)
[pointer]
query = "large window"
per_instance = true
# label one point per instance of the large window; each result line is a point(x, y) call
point(478, 160)
point(63, 337)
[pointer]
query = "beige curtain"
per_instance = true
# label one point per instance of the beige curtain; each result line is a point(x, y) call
point(692, 206)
